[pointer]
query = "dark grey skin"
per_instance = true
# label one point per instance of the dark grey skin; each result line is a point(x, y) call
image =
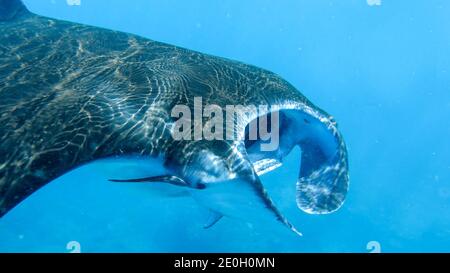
point(71, 94)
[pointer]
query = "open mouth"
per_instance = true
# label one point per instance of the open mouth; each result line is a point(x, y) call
point(322, 183)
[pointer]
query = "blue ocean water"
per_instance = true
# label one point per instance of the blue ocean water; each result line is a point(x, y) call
point(383, 71)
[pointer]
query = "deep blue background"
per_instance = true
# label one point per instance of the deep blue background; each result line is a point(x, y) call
point(382, 71)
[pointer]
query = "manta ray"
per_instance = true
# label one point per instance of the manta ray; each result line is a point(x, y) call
point(71, 94)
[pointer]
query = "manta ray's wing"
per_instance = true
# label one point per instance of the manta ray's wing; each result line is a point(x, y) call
point(11, 9)
point(66, 99)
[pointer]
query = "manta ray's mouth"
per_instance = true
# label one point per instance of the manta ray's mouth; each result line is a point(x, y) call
point(230, 185)
point(322, 183)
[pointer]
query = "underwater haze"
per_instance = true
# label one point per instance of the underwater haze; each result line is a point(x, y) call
point(380, 67)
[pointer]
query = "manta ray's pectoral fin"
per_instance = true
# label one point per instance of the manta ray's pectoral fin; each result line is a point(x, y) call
point(170, 179)
point(213, 218)
point(11, 9)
